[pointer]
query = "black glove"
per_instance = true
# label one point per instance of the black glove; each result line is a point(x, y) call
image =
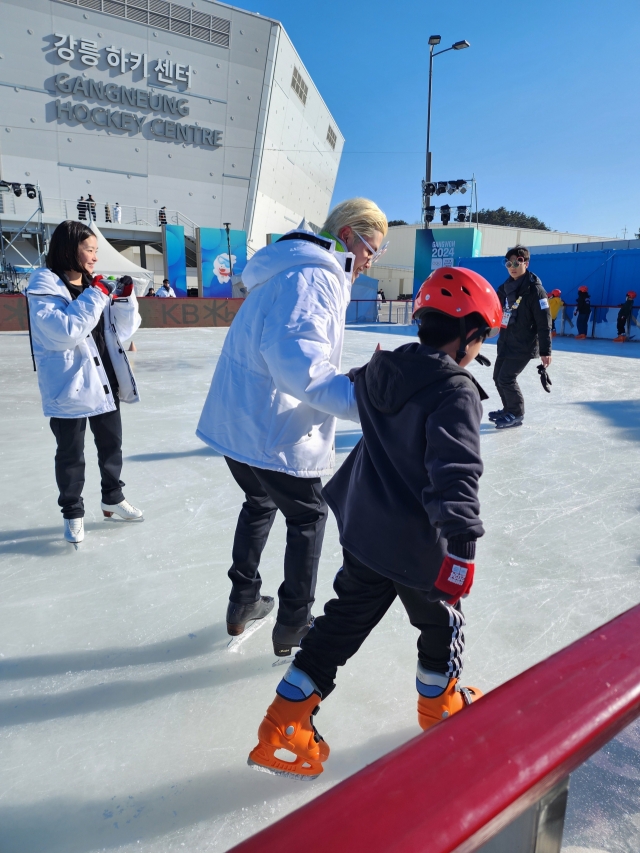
point(124, 286)
point(483, 360)
point(545, 378)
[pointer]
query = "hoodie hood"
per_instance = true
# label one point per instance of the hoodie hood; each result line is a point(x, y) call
point(279, 257)
point(43, 281)
point(392, 378)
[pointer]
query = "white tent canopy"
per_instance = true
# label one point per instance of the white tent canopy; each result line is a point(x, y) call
point(111, 262)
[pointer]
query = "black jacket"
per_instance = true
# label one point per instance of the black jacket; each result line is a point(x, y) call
point(625, 310)
point(584, 304)
point(411, 483)
point(529, 329)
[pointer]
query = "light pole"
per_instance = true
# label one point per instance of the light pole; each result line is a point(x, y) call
point(433, 42)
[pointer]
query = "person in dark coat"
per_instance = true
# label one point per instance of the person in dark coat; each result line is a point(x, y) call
point(415, 472)
point(83, 207)
point(625, 315)
point(583, 311)
point(525, 333)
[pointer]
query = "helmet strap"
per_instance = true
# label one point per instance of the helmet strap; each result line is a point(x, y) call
point(462, 350)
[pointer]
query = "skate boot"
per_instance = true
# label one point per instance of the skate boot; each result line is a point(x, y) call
point(554, 334)
point(508, 420)
point(499, 413)
point(439, 697)
point(620, 339)
point(580, 337)
point(74, 530)
point(239, 614)
point(124, 509)
point(288, 725)
point(286, 638)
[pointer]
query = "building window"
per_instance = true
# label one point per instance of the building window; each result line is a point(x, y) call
point(331, 137)
point(299, 86)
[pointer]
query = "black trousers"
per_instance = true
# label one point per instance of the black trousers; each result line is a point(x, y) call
point(505, 375)
point(300, 500)
point(107, 435)
point(364, 596)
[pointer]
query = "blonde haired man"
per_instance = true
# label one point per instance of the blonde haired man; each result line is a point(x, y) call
point(274, 399)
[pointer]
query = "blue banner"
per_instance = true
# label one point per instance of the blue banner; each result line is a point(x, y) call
point(213, 259)
point(442, 247)
point(175, 258)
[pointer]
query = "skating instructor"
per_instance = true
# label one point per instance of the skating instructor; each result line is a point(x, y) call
point(274, 399)
point(525, 333)
point(77, 325)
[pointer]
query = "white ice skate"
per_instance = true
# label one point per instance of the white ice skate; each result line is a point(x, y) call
point(74, 530)
point(124, 510)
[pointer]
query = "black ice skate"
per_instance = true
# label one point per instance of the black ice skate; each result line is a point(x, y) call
point(508, 420)
point(285, 638)
point(493, 416)
point(239, 614)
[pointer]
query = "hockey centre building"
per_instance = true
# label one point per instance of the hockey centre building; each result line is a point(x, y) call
point(198, 107)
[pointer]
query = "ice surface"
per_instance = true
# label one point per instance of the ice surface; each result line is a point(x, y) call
point(125, 722)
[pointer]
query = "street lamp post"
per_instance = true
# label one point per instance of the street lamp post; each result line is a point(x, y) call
point(433, 42)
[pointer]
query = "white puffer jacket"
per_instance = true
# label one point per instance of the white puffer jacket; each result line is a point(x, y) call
point(72, 379)
point(277, 388)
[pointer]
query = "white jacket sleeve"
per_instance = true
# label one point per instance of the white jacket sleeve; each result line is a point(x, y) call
point(301, 333)
point(61, 325)
point(125, 316)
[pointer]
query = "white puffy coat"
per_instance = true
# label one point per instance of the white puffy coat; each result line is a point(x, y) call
point(277, 388)
point(72, 379)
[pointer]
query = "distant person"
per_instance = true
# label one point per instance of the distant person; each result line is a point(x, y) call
point(82, 209)
point(166, 290)
point(117, 212)
point(91, 204)
point(382, 296)
point(625, 315)
point(582, 312)
point(274, 399)
point(162, 216)
point(525, 333)
point(78, 323)
point(150, 292)
point(555, 305)
point(107, 212)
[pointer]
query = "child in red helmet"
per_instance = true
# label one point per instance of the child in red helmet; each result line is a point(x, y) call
point(555, 305)
point(583, 310)
point(415, 471)
point(625, 315)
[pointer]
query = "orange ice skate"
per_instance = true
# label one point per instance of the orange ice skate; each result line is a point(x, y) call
point(432, 710)
point(287, 725)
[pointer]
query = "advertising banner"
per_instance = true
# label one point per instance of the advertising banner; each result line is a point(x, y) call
point(175, 259)
point(214, 268)
point(442, 247)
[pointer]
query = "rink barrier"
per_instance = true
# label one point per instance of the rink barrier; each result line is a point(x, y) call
point(492, 778)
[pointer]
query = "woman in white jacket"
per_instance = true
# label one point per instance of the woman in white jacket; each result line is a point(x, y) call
point(274, 399)
point(77, 322)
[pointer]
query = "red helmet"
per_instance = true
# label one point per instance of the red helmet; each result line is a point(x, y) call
point(583, 289)
point(632, 294)
point(556, 292)
point(458, 291)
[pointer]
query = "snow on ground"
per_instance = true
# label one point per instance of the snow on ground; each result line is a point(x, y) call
point(125, 722)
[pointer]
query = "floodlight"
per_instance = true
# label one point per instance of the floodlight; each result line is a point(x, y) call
point(31, 190)
point(5, 187)
point(429, 188)
point(445, 214)
point(462, 214)
point(452, 188)
point(460, 45)
point(441, 188)
point(17, 190)
point(434, 40)
point(462, 186)
point(429, 213)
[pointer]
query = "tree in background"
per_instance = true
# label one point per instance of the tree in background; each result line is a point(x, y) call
point(512, 218)
point(397, 222)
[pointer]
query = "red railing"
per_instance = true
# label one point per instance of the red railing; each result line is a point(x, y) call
point(457, 785)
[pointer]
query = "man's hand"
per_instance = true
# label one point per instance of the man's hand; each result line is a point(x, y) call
point(546, 360)
point(454, 580)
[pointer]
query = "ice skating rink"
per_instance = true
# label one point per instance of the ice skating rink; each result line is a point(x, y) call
point(125, 722)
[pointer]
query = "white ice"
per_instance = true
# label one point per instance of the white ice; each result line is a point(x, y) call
point(125, 722)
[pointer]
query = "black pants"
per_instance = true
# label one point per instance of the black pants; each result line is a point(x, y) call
point(107, 434)
point(300, 500)
point(622, 325)
point(505, 375)
point(582, 322)
point(364, 596)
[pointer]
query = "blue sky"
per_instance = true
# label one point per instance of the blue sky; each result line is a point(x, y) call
point(543, 108)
